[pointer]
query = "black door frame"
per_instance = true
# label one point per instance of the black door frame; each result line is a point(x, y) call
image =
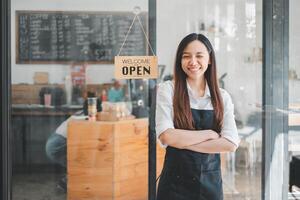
point(275, 64)
point(152, 95)
point(5, 158)
point(275, 166)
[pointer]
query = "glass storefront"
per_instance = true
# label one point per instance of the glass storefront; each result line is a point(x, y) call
point(78, 133)
point(39, 128)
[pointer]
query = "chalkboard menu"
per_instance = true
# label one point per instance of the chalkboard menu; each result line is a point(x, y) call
point(62, 37)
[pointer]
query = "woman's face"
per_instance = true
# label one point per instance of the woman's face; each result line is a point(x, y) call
point(195, 60)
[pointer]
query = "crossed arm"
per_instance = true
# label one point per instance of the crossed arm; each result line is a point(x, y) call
point(208, 141)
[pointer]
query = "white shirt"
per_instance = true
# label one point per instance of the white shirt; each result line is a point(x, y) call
point(62, 128)
point(164, 110)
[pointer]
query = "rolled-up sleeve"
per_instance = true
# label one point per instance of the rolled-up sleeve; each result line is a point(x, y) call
point(229, 130)
point(164, 109)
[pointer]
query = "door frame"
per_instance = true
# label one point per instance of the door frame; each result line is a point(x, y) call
point(152, 19)
point(275, 159)
point(5, 155)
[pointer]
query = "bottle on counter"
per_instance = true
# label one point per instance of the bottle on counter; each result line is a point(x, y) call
point(103, 95)
point(92, 108)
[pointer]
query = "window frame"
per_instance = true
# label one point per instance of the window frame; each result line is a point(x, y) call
point(275, 99)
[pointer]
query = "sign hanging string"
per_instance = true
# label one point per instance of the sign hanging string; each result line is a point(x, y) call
point(136, 16)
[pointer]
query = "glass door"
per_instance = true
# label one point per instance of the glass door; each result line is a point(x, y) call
point(235, 30)
point(77, 133)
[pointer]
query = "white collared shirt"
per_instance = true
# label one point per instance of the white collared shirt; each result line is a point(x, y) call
point(164, 110)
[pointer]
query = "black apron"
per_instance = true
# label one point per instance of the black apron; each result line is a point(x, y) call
point(189, 175)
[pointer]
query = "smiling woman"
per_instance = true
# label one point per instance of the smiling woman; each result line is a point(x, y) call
point(195, 122)
point(195, 60)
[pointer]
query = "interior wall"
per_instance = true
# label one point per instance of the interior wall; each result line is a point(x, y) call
point(100, 73)
point(294, 49)
point(294, 36)
point(233, 47)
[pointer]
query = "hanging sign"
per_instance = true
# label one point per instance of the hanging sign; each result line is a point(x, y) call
point(136, 67)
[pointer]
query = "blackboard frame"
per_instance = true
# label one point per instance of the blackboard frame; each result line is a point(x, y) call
point(125, 13)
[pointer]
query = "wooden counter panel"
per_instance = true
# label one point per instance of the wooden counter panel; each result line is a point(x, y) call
point(123, 159)
point(84, 130)
point(103, 171)
point(89, 159)
point(131, 129)
point(131, 171)
point(91, 190)
point(130, 144)
point(87, 182)
point(103, 146)
point(103, 154)
point(133, 188)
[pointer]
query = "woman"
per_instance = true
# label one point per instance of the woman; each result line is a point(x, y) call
point(195, 122)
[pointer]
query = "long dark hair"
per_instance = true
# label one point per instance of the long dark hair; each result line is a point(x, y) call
point(181, 105)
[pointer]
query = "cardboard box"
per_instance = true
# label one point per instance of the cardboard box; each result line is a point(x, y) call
point(41, 78)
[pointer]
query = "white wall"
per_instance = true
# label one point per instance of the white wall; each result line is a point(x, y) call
point(294, 49)
point(294, 34)
point(101, 73)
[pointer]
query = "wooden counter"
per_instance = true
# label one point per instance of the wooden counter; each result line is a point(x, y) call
point(31, 127)
point(40, 110)
point(108, 160)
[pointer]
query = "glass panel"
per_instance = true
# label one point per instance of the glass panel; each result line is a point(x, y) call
point(62, 55)
point(294, 100)
point(235, 30)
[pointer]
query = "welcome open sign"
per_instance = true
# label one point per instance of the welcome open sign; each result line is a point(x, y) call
point(136, 67)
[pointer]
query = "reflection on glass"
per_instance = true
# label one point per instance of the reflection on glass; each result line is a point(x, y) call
point(62, 72)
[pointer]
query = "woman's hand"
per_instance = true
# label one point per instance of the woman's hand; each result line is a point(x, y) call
point(220, 145)
point(181, 138)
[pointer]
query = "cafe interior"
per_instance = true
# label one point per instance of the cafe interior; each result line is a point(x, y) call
point(78, 132)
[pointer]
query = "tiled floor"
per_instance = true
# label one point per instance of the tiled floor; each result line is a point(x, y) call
point(244, 185)
point(42, 186)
